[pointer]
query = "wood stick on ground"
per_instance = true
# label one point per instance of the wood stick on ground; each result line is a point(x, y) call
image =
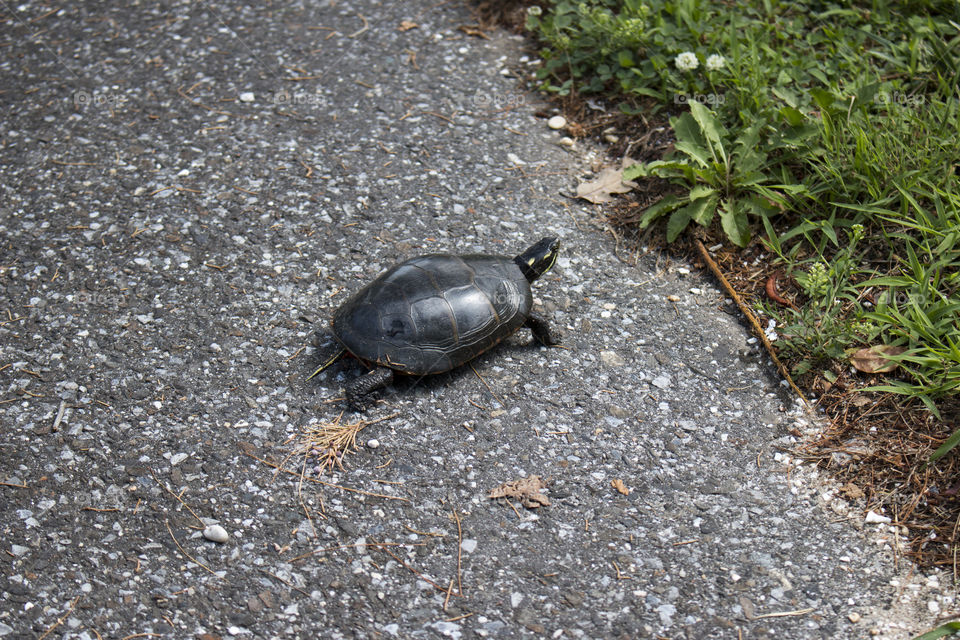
point(415, 572)
point(327, 484)
point(456, 517)
point(376, 545)
point(184, 552)
point(59, 418)
point(186, 506)
point(745, 310)
point(783, 614)
point(499, 401)
point(412, 570)
point(446, 599)
point(286, 582)
point(61, 619)
point(303, 505)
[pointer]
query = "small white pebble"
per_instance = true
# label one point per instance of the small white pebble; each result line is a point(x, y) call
point(373, 443)
point(557, 122)
point(247, 96)
point(566, 142)
point(216, 533)
point(875, 518)
point(854, 617)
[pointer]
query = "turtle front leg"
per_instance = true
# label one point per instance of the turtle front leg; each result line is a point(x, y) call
point(359, 390)
point(541, 331)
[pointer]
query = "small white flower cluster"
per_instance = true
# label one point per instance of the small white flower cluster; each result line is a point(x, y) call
point(715, 62)
point(688, 61)
point(771, 330)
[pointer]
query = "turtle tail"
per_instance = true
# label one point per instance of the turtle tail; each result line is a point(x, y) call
point(330, 361)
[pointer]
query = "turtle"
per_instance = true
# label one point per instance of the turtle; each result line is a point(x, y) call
point(435, 312)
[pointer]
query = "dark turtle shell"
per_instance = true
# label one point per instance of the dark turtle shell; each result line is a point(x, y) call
point(435, 312)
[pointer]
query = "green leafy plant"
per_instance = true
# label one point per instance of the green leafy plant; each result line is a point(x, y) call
point(628, 46)
point(944, 630)
point(848, 109)
point(822, 330)
point(920, 308)
point(722, 173)
point(589, 46)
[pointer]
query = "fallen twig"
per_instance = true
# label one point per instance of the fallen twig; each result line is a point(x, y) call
point(59, 418)
point(366, 25)
point(184, 552)
point(414, 571)
point(456, 517)
point(354, 546)
point(178, 499)
point(61, 619)
point(757, 329)
point(326, 484)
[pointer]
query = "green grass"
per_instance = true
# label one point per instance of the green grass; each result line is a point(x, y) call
point(827, 130)
point(944, 630)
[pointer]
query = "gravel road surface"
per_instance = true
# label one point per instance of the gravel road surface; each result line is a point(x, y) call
point(189, 189)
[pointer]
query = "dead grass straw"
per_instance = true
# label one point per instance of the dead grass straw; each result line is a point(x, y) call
point(330, 441)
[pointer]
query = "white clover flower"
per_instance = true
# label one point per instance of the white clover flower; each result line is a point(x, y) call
point(686, 61)
point(534, 10)
point(716, 62)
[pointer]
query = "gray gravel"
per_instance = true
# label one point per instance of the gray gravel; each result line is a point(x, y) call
point(181, 214)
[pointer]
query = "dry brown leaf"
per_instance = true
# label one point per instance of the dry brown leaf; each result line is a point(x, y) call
point(860, 400)
point(526, 490)
point(609, 181)
point(617, 484)
point(476, 32)
point(852, 491)
point(873, 360)
point(406, 25)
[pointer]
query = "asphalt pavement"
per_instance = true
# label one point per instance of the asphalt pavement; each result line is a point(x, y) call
point(190, 189)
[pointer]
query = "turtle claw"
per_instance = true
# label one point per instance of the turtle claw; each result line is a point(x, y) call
point(359, 392)
point(541, 331)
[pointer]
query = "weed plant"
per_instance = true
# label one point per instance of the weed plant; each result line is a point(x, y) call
point(829, 129)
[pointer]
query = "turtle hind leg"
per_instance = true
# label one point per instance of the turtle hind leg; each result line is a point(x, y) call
point(358, 391)
point(329, 361)
point(541, 331)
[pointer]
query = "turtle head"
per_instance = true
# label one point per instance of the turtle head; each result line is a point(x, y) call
point(537, 260)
